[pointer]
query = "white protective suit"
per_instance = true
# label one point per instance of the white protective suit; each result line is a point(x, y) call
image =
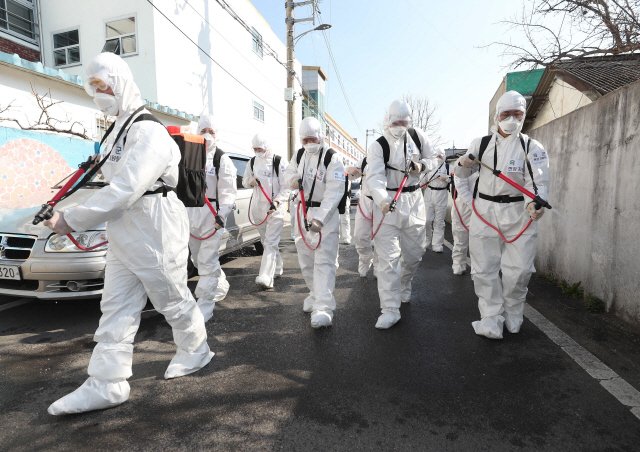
point(501, 300)
point(464, 194)
point(436, 198)
point(345, 224)
point(319, 266)
point(213, 285)
point(401, 240)
point(275, 186)
point(147, 250)
point(362, 231)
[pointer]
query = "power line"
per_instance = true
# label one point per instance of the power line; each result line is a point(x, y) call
point(211, 58)
point(335, 67)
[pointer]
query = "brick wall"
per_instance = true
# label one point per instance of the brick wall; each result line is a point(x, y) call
point(11, 47)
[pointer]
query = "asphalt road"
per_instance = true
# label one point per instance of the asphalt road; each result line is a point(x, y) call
point(429, 383)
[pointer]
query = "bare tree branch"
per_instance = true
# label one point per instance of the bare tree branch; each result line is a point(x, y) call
point(45, 122)
point(587, 28)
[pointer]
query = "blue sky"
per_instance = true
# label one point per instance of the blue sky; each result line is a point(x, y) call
point(385, 48)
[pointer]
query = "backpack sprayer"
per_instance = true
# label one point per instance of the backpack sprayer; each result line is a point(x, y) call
point(46, 212)
point(272, 206)
point(539, 202)
point(302, 203)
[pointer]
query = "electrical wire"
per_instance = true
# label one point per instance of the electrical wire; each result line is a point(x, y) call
point(211, 58)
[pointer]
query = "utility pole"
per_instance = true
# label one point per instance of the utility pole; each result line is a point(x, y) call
point(373, 131)
point(291, 118)
point(291, 110)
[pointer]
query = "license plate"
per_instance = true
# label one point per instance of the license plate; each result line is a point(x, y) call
point(9, 272)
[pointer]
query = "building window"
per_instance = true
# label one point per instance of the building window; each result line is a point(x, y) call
point(121, 37)
point(18, 17)
point(257, 41)
point(258, 111)
point(102, 125)
point(66, 48)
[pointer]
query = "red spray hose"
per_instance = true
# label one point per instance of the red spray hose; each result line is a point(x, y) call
point(391, 208)
point(455, 191)
point(217, 220)
point(272, 206)
point(47, 209)
point(302, 203)
point(540, 203)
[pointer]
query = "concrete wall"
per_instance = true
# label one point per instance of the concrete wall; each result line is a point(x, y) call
point(594, 172)
point(563, 99)
point(494, 101)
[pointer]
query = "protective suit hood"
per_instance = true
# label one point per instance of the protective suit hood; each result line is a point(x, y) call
point(399, 110)
point(260, 141)
point(311, 128)
point(207, 121)
point(116, 74)
point(511, 100)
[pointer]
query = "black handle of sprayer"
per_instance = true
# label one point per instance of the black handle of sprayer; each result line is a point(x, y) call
point(220, 221)
point(540, 203)
point(45, 213)
point(307, 226)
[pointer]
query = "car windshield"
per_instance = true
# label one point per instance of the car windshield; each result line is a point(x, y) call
point(96, 181)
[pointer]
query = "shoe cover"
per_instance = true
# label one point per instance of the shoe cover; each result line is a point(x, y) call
point(459, 269)
point(94, 394)
point(363, 267)
point(278, 273)
point(437, 249)
point(308, 304)
point(221, 290)
point(321, 319)
point(490, 327)
point(206, 307)
point(264, 282)
point(387, 320)
point(185, 363)
point(346, 242)
point(512, 322)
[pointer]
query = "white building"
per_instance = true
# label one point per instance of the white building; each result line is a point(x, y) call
point(189, 57)
point(313, 81)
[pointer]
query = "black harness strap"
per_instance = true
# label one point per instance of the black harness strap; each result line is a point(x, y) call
point(87, 177)
point(503, 199)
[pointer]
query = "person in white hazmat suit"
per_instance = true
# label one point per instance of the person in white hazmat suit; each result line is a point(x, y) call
point(501, 300)
point(436, 198)
point(147, 227)
point(221, 191)
point(269, 170)
point(401, 239)
point(362, 231)
point(461, 218)
point(327, 183)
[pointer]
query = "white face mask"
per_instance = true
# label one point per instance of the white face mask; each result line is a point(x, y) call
point(210, 139)
point(397, 131)
point(260, 154)
point(312, 148)
point(510, 125)
point(106, 103)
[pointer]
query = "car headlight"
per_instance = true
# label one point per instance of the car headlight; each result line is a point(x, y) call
point(62, 244)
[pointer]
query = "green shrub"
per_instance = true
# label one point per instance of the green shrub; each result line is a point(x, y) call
point(594, 304)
